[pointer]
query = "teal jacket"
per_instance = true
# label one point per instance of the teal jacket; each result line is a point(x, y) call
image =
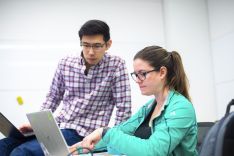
point(174, 132)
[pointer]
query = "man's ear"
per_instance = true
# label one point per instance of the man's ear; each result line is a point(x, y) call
point(163, 72)
point(108, 44)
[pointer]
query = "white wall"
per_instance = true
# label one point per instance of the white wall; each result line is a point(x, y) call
point(221, 19)
point(187, 30)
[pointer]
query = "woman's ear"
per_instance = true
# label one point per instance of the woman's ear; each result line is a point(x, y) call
point(163, 72)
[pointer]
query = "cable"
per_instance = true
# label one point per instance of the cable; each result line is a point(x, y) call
point(80, 150)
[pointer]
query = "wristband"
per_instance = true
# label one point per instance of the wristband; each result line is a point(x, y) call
point(105, 129)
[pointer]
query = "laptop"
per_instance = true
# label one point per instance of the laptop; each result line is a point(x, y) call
point(49, 135)
point(9, 130)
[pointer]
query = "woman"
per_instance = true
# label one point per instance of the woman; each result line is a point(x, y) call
point(166, 125)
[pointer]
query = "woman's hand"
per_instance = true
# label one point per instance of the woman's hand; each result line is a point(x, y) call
point(73, 148)
point(88, 142)
point(92, 139)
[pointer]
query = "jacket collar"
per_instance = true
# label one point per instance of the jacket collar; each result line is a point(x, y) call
point(152, 102)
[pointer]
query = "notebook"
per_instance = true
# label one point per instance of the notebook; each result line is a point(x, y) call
point(9, 130)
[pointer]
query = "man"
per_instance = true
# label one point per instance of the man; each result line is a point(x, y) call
point(89, 86)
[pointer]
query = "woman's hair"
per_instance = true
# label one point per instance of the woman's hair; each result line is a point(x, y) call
point(157, 57)
point(95, 27)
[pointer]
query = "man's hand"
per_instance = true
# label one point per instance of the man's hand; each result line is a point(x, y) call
point(25, 128)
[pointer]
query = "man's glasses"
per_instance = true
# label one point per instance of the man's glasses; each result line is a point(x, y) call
point(95, 46)
point(141, 75)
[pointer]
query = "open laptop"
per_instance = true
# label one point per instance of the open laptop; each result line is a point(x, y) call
point(9, 130)
point(49, 135)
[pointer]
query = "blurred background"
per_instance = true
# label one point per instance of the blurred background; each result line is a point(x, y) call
point(35, 35)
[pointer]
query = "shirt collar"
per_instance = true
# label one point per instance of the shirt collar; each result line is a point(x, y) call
point(99, 64)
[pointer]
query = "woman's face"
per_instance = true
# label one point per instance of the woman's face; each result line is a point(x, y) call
point(154, 80)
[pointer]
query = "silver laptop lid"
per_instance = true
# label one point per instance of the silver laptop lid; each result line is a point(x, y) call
point(9, 130)
point(48, 133)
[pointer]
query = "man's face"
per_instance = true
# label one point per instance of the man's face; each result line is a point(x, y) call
point(94, 47)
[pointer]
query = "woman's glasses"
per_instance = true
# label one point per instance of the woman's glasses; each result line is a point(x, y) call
point(141, 75)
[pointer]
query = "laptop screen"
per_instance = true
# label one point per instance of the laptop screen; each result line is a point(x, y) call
point(9, 130)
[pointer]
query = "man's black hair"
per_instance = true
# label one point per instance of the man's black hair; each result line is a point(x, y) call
point(95, 27)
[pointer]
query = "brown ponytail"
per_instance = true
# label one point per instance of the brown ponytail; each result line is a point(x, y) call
point(177, 78)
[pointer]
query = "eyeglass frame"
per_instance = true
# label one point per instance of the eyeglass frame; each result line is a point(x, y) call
point(143, 74)
point(94, 46)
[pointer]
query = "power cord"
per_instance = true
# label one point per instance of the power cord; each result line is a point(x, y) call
point(80, 150)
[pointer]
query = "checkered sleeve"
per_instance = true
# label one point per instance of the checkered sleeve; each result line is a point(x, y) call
point(122, 93)
point(57, 89)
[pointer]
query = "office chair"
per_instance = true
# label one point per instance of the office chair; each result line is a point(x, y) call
point(203, 128)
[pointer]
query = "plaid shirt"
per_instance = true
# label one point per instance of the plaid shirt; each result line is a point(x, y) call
point(88, 100)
